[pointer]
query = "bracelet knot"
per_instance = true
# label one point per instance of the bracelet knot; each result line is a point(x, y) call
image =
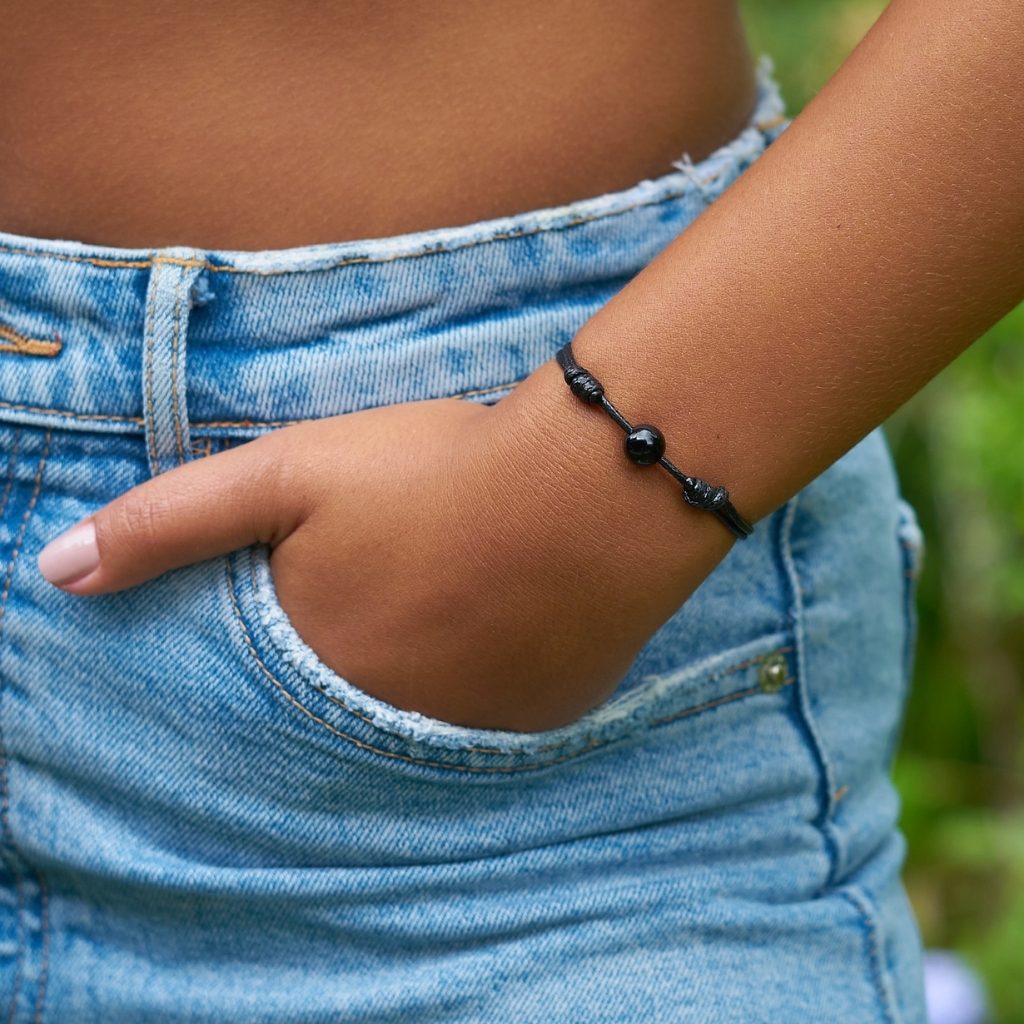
point(645, 445)
point(703, 495)
point(584, 384)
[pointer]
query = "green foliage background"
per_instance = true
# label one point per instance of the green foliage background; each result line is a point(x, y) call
point(959, 449)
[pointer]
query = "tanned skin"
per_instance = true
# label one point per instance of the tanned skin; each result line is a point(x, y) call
point(241, 125)
point(876, 239)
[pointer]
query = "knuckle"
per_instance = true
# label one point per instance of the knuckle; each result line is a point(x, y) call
point(286, 472)
point(140, 520)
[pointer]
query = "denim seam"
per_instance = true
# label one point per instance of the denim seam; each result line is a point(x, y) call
point(588, 738)
point(12, 461)
point(827, 798)
point(176, 399)
point(872, 926)
point(212, 424)
point(11, 855)
point(148, 414)
point(139, 420)
point(295, 702)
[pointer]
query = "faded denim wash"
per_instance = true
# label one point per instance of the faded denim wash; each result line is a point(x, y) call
point(201, 822)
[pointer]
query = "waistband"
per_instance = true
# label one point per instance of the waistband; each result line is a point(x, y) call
point(169, 339)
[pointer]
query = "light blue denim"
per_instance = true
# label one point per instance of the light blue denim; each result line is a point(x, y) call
point(201, 822)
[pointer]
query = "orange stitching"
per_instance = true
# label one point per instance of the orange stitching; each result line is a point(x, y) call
point(95, 260)
point(296, 703)
point(5, 801)
point(212, 424)
point(140, 421)
point(31, 347)
point(26, 346)
point(72, 415)
point(175, 398)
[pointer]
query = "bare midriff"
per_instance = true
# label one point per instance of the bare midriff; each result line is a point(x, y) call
point(269, 125)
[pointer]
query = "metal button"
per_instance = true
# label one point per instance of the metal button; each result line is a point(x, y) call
point(773, 673)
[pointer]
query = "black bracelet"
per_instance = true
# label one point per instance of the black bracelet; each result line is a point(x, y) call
point(645, 445)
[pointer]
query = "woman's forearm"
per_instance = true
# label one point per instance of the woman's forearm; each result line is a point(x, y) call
point(879, 236)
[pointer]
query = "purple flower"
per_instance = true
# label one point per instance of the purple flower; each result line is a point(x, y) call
point(953, 991)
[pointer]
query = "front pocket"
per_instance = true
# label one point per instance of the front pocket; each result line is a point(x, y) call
point(337, 708)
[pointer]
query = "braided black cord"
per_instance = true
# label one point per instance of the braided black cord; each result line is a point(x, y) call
point(649, 445)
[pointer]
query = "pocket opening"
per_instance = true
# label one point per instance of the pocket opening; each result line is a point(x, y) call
point(329, 700)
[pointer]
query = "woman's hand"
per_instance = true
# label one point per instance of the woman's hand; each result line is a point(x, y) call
point(426, 551)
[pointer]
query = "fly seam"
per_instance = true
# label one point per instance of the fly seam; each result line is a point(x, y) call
point(13, 341)
point(11, 466)
point(12, 462)
point(37, 483)
point(20, 911)
point(12, 856)
point(591, 744)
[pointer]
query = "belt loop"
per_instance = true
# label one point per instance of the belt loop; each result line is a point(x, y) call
point(170, 296)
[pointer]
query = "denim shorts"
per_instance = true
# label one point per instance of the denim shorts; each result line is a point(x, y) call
point(203, 822)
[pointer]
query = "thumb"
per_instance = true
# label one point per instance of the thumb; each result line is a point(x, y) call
point(195, 511)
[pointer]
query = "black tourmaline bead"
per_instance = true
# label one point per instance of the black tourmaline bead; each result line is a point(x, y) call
point(645, 444)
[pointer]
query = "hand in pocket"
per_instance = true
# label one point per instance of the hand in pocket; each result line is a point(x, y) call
point(420, 550)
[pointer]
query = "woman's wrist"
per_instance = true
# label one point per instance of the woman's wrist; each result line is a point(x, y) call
point(623, 526)
point(802, 308)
